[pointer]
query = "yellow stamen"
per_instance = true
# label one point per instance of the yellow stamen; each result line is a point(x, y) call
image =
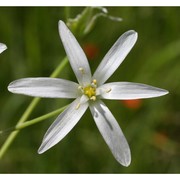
point(81, 70)
point(109, 90)
point(78, 105)
point(81, 88)
point(93, 98)
point(94, 81)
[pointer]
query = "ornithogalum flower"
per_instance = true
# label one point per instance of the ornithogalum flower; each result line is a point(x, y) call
point(3, 47)
point(88, 92)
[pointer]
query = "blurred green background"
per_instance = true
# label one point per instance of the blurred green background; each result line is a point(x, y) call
point(151, 126)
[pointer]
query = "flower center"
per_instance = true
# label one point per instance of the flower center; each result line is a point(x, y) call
point(90, 90)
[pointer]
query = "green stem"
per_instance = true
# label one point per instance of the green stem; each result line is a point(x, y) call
point(39, 119)
point(34, 121)
point(29, 110)
point(67, 13)
point(59, 68)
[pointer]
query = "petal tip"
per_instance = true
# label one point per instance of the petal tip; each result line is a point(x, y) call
point(166, 92)
point(127, 163)
point(40, 150)
point(10, 87)
point(60, 22)
point(61, 25)
point(163, 92)
point(131, 37)
point(43, 147)
point(127, 159)
point(132, 32)
point(62, 29)
point(3, 47)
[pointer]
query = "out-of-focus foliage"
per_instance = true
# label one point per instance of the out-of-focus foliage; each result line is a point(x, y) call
point(84, 22)
point(152, 126)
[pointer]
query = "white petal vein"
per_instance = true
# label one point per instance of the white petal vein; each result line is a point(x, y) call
point(129, 90)
point(111, 132)
point(76, 55)
point(45, 87)
point(63, 125)
point(115, 56)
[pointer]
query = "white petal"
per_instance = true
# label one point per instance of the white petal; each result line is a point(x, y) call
point(63, 125)
point(3, 47)
point(45, 87)
point(128, 90)
point(76, 56)
point(111, 132)
point(115, 56)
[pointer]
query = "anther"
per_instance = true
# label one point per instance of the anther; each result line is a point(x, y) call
point(109, 90)
point(81, 70)
point(81, 88)
point(93, 98)
point(94, 81)
point(78, 105)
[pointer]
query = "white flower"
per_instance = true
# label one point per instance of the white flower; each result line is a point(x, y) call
point(3, 47)
point(88, 92)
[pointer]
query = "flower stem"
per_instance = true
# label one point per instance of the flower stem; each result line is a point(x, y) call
point(59, 68)
point(29, 110)
point(39, 119)
point(67, 12)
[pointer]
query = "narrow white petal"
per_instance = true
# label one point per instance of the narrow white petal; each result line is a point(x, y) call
point(3, 47)
point(63, 125)
point(76, 56)
point(115, 56)
point(45, 87)
point(129, 90)
point(111, 132)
